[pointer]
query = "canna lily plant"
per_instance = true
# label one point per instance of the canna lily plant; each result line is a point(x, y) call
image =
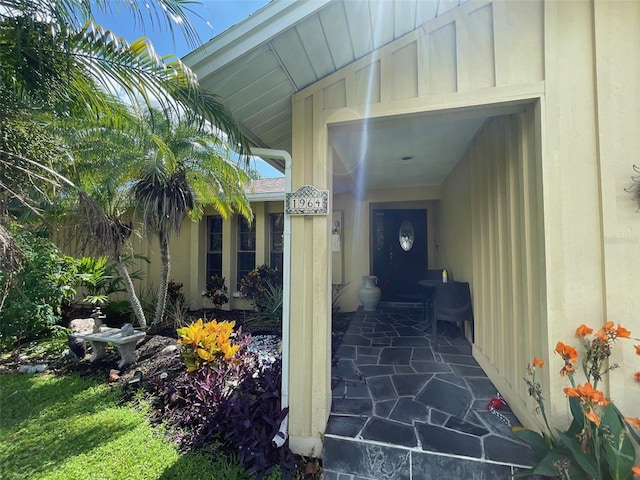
point(205, 343)
point(599, 443)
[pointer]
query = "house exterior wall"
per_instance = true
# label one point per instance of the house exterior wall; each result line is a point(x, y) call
point(534, 215)
point(189, 256)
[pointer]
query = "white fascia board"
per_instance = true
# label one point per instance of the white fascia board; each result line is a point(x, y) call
point(255, 30)
point(266, 197)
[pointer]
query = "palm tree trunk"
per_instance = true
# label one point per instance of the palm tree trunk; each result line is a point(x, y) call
point(165, 260)
point(133, 298)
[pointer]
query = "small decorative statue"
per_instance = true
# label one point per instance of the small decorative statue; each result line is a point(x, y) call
point(126, 330)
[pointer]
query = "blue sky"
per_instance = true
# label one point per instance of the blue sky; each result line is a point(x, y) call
point(209, 17)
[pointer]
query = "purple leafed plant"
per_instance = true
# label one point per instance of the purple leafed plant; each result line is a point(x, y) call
point(234, 402)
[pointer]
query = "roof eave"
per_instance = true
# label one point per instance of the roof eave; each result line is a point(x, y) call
point(255, 30)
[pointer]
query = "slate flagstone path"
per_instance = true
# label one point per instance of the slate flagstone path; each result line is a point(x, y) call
point(401, 411)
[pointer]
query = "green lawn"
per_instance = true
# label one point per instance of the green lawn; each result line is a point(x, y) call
point(62, 427)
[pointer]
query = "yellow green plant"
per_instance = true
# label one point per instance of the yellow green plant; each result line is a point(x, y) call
point(206, 343)
point(599, 441)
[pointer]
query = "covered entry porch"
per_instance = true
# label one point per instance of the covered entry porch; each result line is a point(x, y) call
point(402, 411)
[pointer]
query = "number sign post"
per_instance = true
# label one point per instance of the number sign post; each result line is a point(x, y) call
point(307, 200)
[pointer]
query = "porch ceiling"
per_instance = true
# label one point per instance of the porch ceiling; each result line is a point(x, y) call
point(258, 64)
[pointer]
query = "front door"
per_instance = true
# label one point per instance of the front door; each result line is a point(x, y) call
point(399, 252)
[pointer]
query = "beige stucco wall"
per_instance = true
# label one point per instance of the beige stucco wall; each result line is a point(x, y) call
point(542, 228)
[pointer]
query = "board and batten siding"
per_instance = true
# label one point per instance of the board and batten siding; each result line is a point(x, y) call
point(483, 54)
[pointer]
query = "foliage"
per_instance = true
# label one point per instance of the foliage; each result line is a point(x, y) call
point(599, 442)
point(37, 290)
point(634, 188)
point(207, 343)
point(254, 284)
point(234, 402)
point(185, 169)
point(60, 427)
point(268, 314)
point(337, 290)
point(217, 290)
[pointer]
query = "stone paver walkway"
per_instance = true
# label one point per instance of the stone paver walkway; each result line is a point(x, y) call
point(401, 410)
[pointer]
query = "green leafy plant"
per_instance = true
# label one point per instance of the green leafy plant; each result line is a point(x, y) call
point(253, 285)
point(599, 442)
point(207, 343)
point(216, 290)
point(268, 314)
point(37, 289)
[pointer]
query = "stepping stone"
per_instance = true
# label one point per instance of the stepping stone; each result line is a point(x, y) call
point(389, 432)
point(430, 367)
point(503, 450)
point(381, 388)
point(422, 354)
point(345, 370)
point(359, 340)
point(408, 410)
point(395, 356)
point(410, 384)
point(460, 360)
point(459, 425)
point(357, 390)
point(482, 387)
point(445, 397)
point(383, 409)
point(374, 370)
point(352, 406)
point(468, 371)
point(439, 439)
point(345, 426)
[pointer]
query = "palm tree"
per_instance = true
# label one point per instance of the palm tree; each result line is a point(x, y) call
point(57, 64)
point(186, 169)
point(55, 60)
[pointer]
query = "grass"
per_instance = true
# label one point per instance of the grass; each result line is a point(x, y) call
point(61, 427)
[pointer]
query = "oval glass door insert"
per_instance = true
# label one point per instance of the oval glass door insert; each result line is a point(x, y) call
point(406, 236)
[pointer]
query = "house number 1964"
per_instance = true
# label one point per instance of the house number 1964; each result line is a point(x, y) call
point(312, 202)
point(307, 200)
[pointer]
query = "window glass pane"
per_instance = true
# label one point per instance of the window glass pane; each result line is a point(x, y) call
point(277, 231)
point(246, 235)
point(214, 246)
point(246, 260)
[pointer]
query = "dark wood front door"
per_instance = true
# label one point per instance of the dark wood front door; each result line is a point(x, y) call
point(399, 252)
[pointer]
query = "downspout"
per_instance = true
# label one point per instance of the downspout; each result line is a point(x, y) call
point(281, 436)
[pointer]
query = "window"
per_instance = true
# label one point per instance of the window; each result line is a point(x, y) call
point(246, 248)
point(277, 241)
point(214, 247)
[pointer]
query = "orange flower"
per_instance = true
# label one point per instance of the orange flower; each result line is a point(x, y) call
point(583, 330)
point(537, 362)
point(636, 470)
point(637, 347)
point(586, 393)
point(622, 332)
point(591, 415)
point(567, 370)
point(608, 326)
point(637, 376)
point(634, 422)
point(567, 352)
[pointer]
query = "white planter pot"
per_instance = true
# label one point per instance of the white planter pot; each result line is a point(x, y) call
point(370, 293)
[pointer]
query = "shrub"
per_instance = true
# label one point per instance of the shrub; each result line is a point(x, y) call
point(232, 400)
point(36, 290)
point(254, 285)
point(206, 343)
point(217, 291)
point(268, 314)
